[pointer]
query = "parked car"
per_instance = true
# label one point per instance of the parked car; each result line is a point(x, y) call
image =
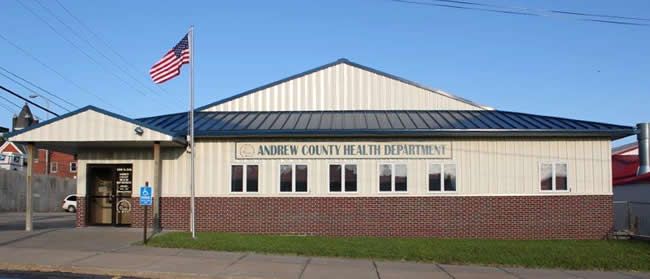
point(70, 203)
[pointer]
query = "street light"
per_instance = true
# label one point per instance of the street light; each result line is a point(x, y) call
point(47, 104)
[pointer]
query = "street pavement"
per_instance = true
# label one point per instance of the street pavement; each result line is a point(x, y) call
point(52, 275)
point(66, 251)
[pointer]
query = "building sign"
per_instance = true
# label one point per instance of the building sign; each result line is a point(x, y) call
point(124, 179)
point(343, 150)
point(123, 206)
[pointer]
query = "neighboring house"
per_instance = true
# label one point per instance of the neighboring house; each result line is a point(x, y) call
point(55, 163)
point(47, 162)
point(12, 156)
point(628, 186)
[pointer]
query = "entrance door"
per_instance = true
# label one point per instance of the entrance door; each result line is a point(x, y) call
point(109, 189)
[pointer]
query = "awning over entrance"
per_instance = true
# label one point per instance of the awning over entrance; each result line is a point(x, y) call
point(93, 127)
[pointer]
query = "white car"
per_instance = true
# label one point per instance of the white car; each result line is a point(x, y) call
point(70, 203)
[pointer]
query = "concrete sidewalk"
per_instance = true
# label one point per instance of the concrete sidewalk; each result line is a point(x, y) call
point(179, 263)
point(108, 251)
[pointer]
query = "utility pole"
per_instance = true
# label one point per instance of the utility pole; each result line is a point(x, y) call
point(28, 187)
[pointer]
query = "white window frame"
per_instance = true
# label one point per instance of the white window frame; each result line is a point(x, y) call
point(553, 177)
point(293, 179)
point(75, 167)
point(56, 167)
point(244, 177)
point(343, 191)
point(442, 176)
point(392, 178)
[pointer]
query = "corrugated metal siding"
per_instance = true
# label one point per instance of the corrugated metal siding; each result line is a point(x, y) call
point(89, 126)
point(485, 167)
point(343, 87)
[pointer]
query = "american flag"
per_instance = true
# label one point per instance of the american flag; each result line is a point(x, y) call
point(169, 66)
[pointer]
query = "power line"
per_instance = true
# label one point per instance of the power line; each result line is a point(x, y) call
point(74, 32)
point(99, 38)
point(89, 43)
point(108, 46)
point(9, 101)
point(523, 11)
point(27, 100)
point(542, 10)
point(58, 73)
point(9, 109)
point(600, 15)
point(38, 87)
point(79, 48)
point(29, 89)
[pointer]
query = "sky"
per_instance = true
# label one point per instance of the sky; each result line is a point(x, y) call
point(549, 65)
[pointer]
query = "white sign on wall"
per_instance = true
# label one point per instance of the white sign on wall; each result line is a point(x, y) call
point(342, 150)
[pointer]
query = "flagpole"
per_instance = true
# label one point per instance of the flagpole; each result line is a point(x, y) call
point(192, 205)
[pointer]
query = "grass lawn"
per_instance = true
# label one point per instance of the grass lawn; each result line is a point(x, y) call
point(566, 254)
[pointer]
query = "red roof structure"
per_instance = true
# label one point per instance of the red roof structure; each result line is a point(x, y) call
point(624, 167)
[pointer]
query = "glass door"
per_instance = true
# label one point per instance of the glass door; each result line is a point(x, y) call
point(100, 195)
point(109, 194)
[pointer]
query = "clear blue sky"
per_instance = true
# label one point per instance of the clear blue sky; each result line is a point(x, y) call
point(552, 66)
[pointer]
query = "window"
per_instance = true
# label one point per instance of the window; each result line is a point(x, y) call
point(244, 181)
point(553, 177)
point(72, 198)
point(54, 167)
point(442, 177)
point(343, 178)
point(392, 178)
point(293, 178)
point(73, 167)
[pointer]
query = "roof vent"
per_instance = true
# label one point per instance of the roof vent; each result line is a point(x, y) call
point(643, 136)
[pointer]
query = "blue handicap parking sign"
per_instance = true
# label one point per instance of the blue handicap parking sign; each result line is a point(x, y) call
point(145, 195)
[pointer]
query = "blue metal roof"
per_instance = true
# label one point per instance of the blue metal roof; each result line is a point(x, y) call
point(429, 123)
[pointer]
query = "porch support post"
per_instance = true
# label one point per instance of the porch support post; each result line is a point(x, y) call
point(28, 187)
point(157, 181)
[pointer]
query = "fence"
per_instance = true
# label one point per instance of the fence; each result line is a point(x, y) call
point(632, 216)
point(48, 191)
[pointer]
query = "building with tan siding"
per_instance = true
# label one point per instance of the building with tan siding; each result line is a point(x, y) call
point(344, 149)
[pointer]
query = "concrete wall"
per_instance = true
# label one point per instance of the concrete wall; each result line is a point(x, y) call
point(49, 191)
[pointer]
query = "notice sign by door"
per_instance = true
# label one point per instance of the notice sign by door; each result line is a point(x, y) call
point(124, 179)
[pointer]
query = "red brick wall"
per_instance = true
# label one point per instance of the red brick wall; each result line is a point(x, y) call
point(505, 217)
point(81, 211)
point(63, 160)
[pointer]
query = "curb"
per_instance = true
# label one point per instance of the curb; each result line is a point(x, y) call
point(112, 272)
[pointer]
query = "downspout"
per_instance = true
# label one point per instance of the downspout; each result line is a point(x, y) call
point(643, 137)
